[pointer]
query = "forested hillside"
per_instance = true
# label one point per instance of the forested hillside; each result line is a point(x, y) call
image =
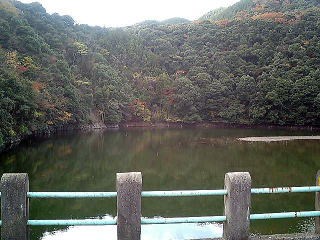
point(256, 62)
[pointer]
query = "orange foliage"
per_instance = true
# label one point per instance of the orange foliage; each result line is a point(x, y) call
point(45, 104)
point(37, 86)
point(259, 7)
point(140, 111)
point(222, 23)
point(242, 15)
point(138, 102)
point(275, 16)
point(198, 22)
point(12, 59)
point(65, 116)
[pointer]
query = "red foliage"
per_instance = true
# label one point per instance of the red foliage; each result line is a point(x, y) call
point(181, 72)
point(22, 69)
point(53, 59)
point(168, 92)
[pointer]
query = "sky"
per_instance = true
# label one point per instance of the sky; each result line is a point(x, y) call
point(120, 13)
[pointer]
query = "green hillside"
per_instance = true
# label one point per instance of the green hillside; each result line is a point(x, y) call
point(258, 68)
point(254, 8)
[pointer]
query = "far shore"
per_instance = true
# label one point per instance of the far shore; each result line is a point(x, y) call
point(207, 125)
point(54, 130)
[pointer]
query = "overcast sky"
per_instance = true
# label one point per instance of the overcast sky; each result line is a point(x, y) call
point(118, 13)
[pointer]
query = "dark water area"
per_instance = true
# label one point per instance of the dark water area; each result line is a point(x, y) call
point(170, 159)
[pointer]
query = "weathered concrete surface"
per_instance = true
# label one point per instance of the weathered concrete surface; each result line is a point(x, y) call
point(237, 206)
point(129, 187)
point(14, 206)
point(317, 203)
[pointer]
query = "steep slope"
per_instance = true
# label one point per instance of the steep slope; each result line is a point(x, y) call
point(262, 68)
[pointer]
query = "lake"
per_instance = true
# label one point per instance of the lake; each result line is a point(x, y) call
point(170, 159)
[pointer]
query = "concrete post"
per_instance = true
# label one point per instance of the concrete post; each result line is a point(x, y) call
point(237, 205)
point(317, 203)
point(129, 187)
point(14, 206)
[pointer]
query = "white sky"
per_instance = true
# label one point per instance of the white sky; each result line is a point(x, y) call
point(118, 13)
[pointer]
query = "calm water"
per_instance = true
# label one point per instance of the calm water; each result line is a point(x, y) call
point(170, 159)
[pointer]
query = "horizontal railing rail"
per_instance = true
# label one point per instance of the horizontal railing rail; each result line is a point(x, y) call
point(72, 194)
point(272, 190)
point(176, 193)
point(72, 222)
point(236, 194)
point(160, 220)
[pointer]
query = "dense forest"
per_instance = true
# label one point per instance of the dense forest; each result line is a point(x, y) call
point(256, 62)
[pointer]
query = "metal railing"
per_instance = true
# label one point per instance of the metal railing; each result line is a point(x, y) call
point(181, 193)
point(230, 198)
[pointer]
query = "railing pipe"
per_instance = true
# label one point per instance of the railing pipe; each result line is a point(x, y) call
point(261, 216)
point(71, 194)
point(285, 190)
point(206, 219)
point(72, 222)
point(237, 194)
point(176, 193)
point(184, 193)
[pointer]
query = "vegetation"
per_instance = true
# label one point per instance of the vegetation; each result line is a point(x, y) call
point(256, 62)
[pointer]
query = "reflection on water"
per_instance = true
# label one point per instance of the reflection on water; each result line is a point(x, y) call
point(170, 159)
point(148, 232)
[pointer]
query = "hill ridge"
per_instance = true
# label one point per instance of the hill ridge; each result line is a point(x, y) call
point(251, 8)
point(55, 73)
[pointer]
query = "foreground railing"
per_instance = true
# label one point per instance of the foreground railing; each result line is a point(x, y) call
point(15, 197)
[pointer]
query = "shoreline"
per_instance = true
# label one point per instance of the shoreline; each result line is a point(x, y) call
point(144, 125)
point(129, 125)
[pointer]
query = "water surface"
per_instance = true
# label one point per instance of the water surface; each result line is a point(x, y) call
point(170, 159)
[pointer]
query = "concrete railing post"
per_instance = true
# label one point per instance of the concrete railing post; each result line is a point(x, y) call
point(14, 206)
point(129, 187)
point(237, 205)
point(317, 203)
